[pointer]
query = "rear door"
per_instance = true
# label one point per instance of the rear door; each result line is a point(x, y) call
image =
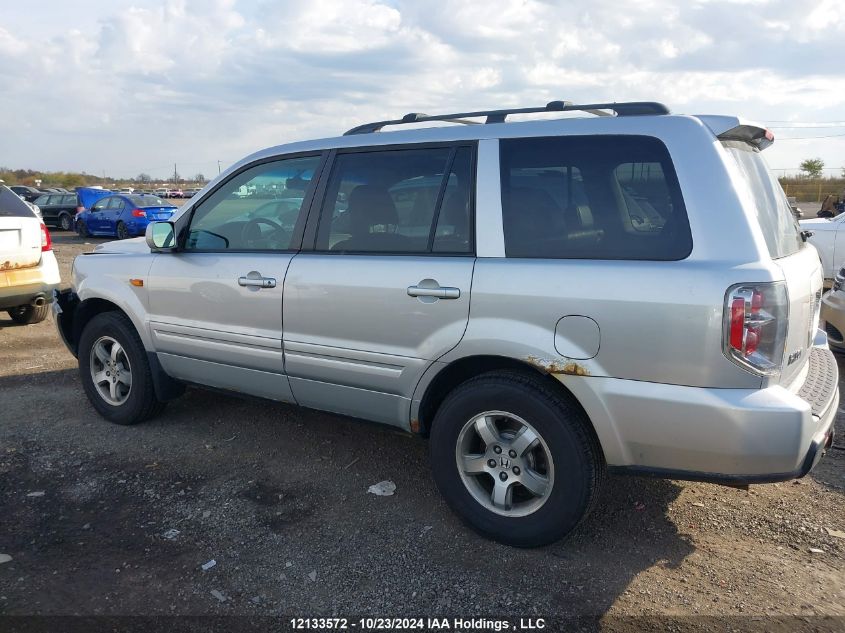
point(215, 306)
point(111, 214)
point(386, 289)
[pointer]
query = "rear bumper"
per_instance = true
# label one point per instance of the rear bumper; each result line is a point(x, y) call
point(23, 286)
point(732, 436)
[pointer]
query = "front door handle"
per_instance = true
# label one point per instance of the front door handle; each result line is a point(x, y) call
point(255, 280)
point(436, 292)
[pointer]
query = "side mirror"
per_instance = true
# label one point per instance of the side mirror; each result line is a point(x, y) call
point(161, 237)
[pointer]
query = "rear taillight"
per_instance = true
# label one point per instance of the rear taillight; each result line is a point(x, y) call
point(138, 213)
point(755, 320)
point(46, 240)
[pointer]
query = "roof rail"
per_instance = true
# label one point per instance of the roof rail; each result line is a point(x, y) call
point(631, 108)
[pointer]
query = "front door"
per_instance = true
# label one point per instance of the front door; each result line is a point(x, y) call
point(216, 303)
point(96, 221)
point(386, 289)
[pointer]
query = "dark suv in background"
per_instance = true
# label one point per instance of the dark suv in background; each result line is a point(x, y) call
point(59, 209)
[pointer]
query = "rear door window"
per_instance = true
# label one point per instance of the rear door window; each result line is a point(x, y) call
point(399, 201)
point(592, 197)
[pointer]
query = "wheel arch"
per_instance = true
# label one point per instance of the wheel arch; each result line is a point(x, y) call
point(87, 310)
point(434, 391)
point(166, 388)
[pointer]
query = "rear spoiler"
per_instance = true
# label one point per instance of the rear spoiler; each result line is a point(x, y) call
point(731, 128)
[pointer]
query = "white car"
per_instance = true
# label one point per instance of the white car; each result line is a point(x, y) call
point(828, 236)
point(28, 269)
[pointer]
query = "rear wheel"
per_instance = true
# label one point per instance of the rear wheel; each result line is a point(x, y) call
point(27, 315)
point(115, 371)
point(65, 222)
point(122, 231)
point(515, 458)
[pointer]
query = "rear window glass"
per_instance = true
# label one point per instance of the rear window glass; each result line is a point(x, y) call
point(778, 224)
point(592, 197)
point(12, 206)
point(148, 201)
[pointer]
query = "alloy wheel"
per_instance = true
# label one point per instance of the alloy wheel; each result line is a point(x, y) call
point(505, 463)
point(110, 370)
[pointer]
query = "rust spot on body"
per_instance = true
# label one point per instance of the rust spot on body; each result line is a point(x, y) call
point(557, 367)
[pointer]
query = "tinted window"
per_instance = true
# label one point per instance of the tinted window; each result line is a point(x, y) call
point(100, 204)
point(398, 201)
point(592, 197)
point(12, 206)
point(115, 204)
point(69, 200)
point(258, 209)
point(41, 201)
point(779, 226)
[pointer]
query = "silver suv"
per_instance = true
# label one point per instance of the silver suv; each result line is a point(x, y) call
point(544, 300)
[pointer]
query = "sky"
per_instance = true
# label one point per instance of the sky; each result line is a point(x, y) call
point(132, 86)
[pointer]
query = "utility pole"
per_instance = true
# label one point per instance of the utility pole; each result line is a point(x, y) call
point(175, 175)
point(218, 167)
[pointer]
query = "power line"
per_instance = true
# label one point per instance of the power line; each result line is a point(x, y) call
point(805, 138)
point(810, 126)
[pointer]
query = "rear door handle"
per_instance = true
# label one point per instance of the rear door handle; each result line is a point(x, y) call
point(257, 282)
point(437, 293)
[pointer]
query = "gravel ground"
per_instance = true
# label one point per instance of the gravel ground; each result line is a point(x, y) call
point(107, 520)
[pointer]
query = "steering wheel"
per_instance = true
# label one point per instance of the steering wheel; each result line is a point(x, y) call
point(253, 224)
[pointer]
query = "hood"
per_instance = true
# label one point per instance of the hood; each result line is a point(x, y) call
point(815, 222)
point(134, 245)
point(88, 195)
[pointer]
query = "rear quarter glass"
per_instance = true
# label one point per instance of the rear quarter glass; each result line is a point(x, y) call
point(774, 214)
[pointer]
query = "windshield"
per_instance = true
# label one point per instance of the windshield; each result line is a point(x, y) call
point(780, 228)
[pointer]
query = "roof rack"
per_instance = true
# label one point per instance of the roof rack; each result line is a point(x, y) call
point(631, 108)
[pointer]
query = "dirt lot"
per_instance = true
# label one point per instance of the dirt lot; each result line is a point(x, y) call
point(277, 496)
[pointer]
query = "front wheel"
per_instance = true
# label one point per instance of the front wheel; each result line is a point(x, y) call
point(115, 372)
point(82, 229)
point(515, 458)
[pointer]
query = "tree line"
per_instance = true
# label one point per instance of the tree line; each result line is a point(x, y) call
point(69, 180)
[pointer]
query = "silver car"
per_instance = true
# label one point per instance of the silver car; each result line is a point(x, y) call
point(543, 300)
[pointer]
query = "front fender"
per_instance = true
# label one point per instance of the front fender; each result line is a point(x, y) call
point(107, 277)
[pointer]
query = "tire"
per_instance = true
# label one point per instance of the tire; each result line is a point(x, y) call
point(566, 456)
point(27, 315)
point(130, 405)
point(65, 222)
point(82, 229)
point(122, 232)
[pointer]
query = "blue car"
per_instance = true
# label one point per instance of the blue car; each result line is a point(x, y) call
point(123, 216)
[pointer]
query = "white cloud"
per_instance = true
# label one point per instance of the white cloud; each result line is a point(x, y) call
point(134, 85)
